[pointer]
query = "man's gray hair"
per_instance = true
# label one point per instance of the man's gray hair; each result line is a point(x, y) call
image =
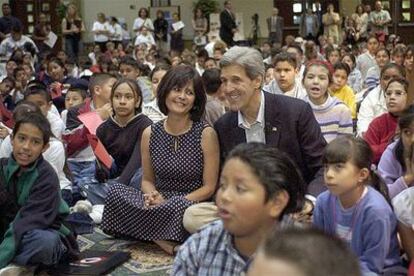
point(248, 58)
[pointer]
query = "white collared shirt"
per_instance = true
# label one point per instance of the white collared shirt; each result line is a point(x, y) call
point(255, 131)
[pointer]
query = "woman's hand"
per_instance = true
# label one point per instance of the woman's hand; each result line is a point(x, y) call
point(152, 199)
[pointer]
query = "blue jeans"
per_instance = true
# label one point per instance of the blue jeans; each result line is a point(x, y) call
point(81, 170)
point(40, 247)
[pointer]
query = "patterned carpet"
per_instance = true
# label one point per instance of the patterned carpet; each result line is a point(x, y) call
point(146, 258)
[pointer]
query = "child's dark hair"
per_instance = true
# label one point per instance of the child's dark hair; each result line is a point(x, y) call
point(98, 79)
point(329, 50)
point(24, 107)
point(18, 69)
point(81, 92)
point(342, 66)
point(159, 67)
point(351, 56)
point(211, 80)
point(58, 62)
point(276, 172)
point(384, 50)
point(404, 122)
point(323, 64)
point(38, 120)
point(134, 87)
point(127, 60)
point(356, 150)
point(392, 65)
point(401, 81)
point(311, 251)
point(285, 57)
point(37, 90)
point(11, 80)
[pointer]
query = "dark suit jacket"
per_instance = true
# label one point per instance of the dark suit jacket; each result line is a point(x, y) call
point(290, 126)
point(227, 23)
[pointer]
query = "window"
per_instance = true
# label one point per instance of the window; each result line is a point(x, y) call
point(298, 9)
point(407, 11)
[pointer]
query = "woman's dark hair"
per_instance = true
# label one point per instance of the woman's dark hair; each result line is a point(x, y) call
point(404, 121)
point(211, 80)
point(356, 150)
point(134, 87)
point(146, 12)
point(36, 119)
point(195, 13)
point(178, 77)
point(275, 171)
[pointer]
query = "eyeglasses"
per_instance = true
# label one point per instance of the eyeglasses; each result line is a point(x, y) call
point(397, 94)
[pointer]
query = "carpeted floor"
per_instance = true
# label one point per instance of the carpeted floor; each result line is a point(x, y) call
point(146, 258)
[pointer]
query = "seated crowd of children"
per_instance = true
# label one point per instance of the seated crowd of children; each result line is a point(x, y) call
point(237, 149)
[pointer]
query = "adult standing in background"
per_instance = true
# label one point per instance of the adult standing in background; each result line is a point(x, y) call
point(176, 42)
point(319, 14)
point(332, 23)
point(102, 31)
point(275, 25)
point(161, 32)
point(72, 28)
point(200, 25)
point(227, 24)
point(360, 18)
point(143, 20)
point(116, 31)
point(7, 21)
point(309, 25)
point(379, 19)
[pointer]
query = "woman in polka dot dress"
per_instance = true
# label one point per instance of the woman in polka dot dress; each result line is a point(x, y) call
point(180, 161)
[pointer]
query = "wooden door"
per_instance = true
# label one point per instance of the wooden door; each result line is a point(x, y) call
point(29, 10)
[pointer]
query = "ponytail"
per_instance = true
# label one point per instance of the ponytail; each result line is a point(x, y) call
point(378, 183)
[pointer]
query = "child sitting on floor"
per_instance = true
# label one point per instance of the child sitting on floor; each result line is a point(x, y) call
point(31, 207)
point(258, 185)
point(381, 130)
point(333, 116)
point(340, 89)
point(74, 96)
point(354, 210)
point(304, 252)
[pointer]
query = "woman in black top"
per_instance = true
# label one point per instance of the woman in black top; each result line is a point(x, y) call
point(72, 27)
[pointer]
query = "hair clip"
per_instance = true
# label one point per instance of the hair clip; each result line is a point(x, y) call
point(373, 168)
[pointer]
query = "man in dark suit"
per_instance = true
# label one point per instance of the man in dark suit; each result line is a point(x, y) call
point(227, 24)
point(255, 116)
point(275, 25)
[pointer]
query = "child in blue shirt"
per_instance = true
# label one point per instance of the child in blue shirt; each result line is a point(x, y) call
point(356, 212)
point(258, 185)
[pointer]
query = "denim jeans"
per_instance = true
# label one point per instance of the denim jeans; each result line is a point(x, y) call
point(40, 247)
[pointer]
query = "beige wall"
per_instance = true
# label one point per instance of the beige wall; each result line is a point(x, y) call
point(348, 6)
point(128, 9)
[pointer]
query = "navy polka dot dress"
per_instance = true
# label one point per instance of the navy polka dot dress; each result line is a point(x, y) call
point(177, 162)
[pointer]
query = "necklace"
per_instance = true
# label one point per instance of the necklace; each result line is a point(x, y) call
point(176, 137)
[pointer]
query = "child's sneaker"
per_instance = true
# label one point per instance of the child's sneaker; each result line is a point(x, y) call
point(17, 270)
